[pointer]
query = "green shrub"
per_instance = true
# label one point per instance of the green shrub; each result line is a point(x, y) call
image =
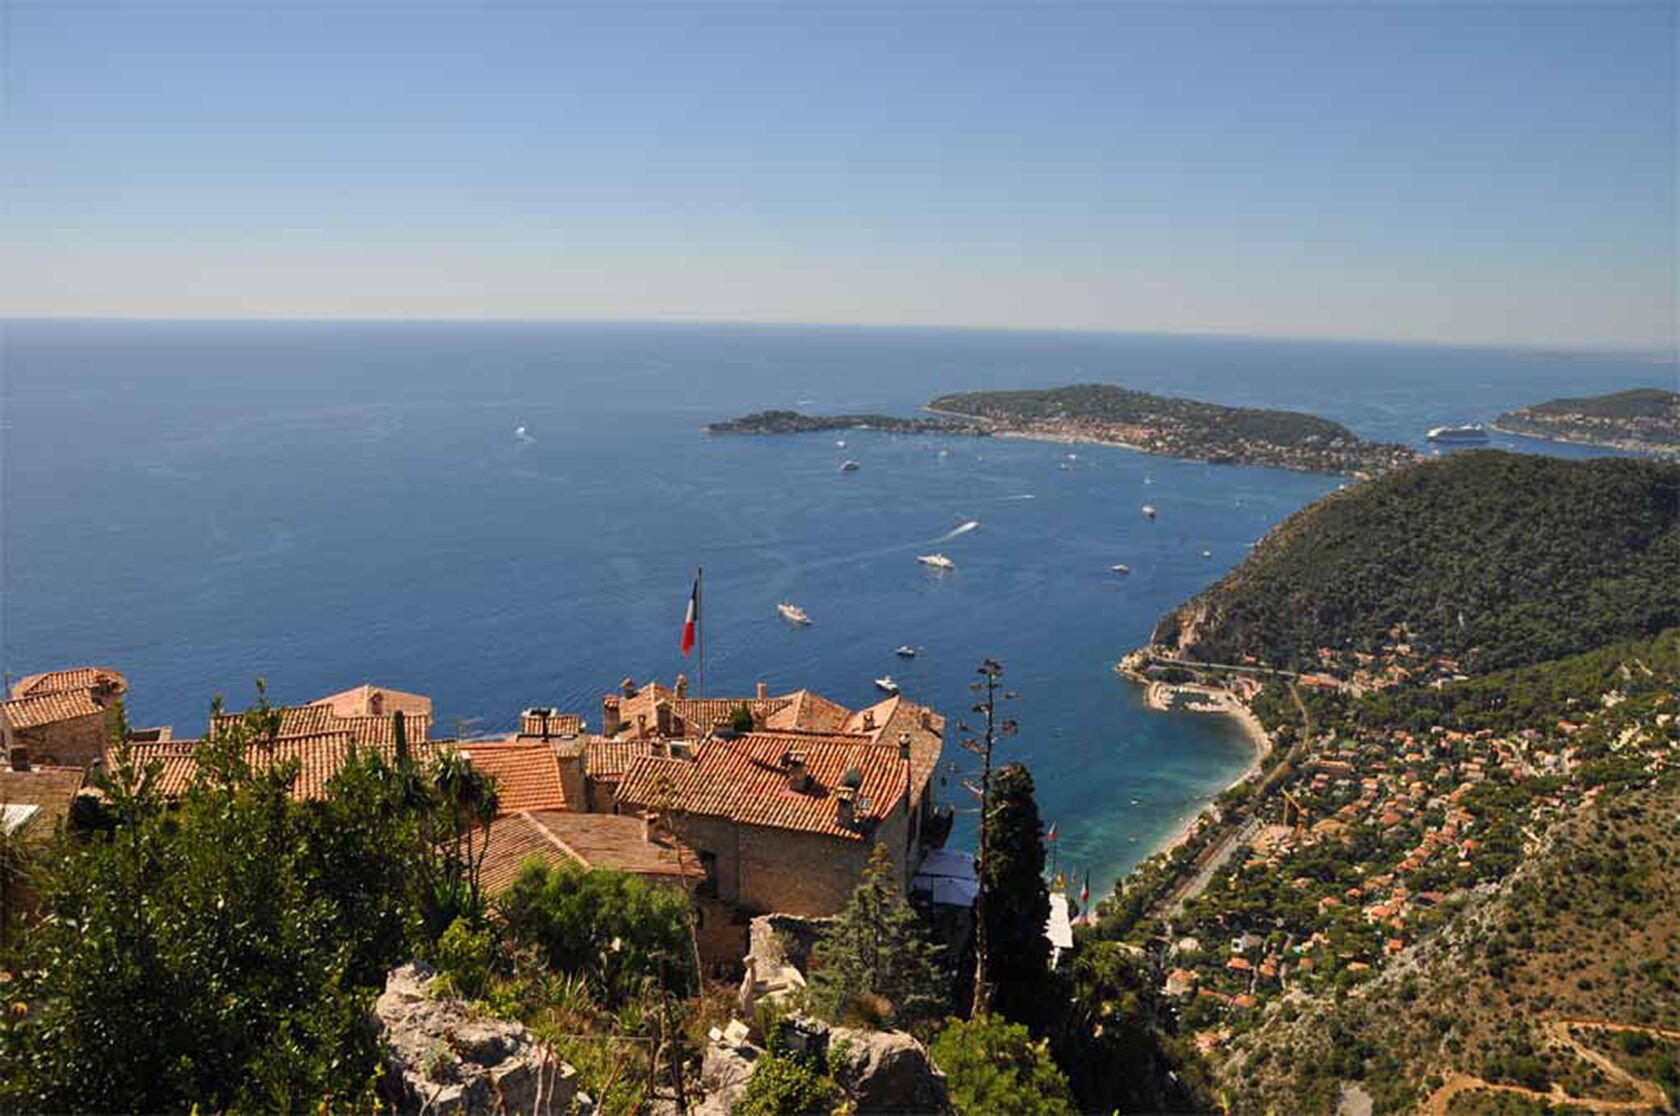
point(785, 1086)
point(993, 1066)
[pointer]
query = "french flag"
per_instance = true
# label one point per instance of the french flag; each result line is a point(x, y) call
point(691, 618)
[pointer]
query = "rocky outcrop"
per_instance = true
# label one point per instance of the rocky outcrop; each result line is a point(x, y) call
point(445, 1058)
point(725, 1068)
point(886, 1072)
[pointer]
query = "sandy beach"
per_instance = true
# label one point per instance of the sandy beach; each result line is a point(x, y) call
point(1212, 701)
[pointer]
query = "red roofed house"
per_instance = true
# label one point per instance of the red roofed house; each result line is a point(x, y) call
point(785, 821)
point(64, 716)
point(623, 844)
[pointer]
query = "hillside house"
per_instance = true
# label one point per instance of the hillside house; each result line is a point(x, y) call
point(63, 717)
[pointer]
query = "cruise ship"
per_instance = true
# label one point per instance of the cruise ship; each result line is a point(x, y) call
point(1458, 434)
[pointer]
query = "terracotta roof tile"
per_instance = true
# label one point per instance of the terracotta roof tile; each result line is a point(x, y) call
point(320, 756)
point(527, 775)
point(76, 678)
point(557, 724)
point(609, 759)
point(592, 840)
point(311, 720)
point(368, 700)
point(745, 781)
point(806, 710)
point(50, 707)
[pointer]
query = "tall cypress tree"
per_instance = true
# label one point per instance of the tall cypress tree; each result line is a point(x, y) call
point(1018, 902)
point(877, 947)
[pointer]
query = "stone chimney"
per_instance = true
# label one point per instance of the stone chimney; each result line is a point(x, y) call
point(798, 778)
point(662, 718)
point(610, 724)
point(627, 687)
point(681, 687)
point(869, 720)
point(20, 757)
point(641, 725)
point(926, 718)
point(845, 806)
point(763, 691)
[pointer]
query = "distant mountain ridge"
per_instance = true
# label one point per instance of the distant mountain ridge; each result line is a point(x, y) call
point(1494, 558)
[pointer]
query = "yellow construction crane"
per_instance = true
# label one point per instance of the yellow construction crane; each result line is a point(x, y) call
point(1291, 804)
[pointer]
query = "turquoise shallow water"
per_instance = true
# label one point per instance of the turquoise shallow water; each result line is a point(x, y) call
point(199, 504)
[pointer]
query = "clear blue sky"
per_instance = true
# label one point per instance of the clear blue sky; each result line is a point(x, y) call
point(1455, 172)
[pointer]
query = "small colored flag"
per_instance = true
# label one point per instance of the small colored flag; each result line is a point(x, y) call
point(692, 618)
point(1051, 835)
point(1085, 890)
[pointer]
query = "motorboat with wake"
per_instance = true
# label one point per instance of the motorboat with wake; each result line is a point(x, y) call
point(937, 561)
point(793, 613)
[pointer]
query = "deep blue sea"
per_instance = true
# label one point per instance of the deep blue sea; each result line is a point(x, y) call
point(199, 504)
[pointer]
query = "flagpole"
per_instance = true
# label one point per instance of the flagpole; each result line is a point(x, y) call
point(700, 622)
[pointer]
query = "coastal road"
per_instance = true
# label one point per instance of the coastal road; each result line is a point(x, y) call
point(1215, 858)
point(1218, 853)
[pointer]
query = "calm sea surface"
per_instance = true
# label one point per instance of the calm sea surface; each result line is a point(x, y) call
point(322, 505)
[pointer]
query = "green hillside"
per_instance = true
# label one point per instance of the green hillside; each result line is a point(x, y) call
point(1492, 558)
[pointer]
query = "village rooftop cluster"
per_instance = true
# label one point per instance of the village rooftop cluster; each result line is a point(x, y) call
point(776, 801)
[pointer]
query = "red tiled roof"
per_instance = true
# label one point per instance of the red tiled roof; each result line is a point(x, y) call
point(50, 707)
point(592, 840)
point(359, 701)
point(744, 780)
point(320, 756)
point(806, 710)
point(76, 678)
point(312, 720)
point(558, 724)
point(609, 759)
point(527, 775)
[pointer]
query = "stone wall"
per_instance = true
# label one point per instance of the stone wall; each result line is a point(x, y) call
point(73, 743)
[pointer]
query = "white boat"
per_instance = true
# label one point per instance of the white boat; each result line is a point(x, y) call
point(793, 612)
point(885, 682)
point(841, 444)
point(1122, 568)
point(1474, 433)
point(849, 466)
point(906, 652)
point(1207, 554)
point(1149, 511)
point(937, 561)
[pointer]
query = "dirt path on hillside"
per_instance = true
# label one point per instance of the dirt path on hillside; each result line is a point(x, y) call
point(1652, 1099)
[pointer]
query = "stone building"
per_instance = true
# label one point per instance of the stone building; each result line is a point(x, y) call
point(786, 821)
point(35, 803)
point(64, 717)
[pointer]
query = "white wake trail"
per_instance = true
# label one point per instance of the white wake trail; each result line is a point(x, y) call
point(961, 530)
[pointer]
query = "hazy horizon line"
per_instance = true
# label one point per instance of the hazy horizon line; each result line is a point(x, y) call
point(1656, 354)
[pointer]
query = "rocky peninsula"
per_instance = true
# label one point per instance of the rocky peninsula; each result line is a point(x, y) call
point(1643, 420)
point(1176, 427)
point(793, 422)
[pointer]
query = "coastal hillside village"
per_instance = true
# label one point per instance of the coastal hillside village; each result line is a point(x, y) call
point(753, 804)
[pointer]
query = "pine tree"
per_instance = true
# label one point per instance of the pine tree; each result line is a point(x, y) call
point(877, 947)
point(1018, 906)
